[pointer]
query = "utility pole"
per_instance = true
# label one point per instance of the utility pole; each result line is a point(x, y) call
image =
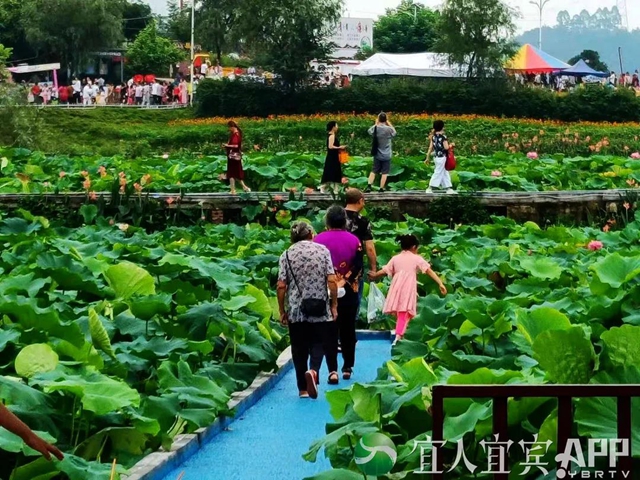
point(193, 39)
point(540, 4)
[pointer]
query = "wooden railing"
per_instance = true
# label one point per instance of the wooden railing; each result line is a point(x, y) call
point(564, 394)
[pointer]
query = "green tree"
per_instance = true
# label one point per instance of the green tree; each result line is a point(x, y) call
point(136, 16)
point(11, 31)
point(410, 28)
point(217, 24)
point(287, 34)
point(69, 30)
point(592, 58)
point(477, 34)
point(152, 53)
point(177, 25)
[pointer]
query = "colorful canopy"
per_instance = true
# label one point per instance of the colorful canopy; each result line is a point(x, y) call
point(531, 60)
point(581, 69)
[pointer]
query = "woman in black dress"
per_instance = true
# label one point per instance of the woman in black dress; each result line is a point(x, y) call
point(332, 173)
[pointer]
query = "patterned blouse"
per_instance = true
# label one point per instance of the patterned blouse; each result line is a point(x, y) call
point(305, 272)
point(438, 145)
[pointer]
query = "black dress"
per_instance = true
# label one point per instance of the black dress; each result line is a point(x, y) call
point(332, 167)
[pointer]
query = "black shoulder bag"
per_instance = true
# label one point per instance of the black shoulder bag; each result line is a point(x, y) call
point(310, 307)
point(374, 144)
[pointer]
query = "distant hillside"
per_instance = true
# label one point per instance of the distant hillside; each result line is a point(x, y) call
point(601, 31)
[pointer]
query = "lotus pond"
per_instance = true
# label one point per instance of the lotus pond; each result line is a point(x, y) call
point(114, 339)
point(22, 171)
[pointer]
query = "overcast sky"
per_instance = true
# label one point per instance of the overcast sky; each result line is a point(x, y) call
point(529, 13)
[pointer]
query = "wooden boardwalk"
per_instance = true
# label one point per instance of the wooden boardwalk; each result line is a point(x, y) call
point(519, 205)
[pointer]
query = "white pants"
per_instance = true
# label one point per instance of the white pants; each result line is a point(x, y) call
point(441, 177)
point(86, 101)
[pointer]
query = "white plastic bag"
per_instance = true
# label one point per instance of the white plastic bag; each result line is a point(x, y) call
point(375, 302)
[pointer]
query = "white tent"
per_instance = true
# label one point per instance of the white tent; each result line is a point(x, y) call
point(407, 64)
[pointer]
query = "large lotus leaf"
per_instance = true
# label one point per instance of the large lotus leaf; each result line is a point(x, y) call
point(198, 318)
point(475, 310)
point(366, 403)
point(414, 372)
point(35, 358)
point(622, 346)
point(339, 438)
point(23, 283)
point(616, 270)
point(455, 427)
point(81, 469)
point(468, 260)
point(265, 171)
point(39, 469)
point(29, 315)
point(567, 356)
point(180, 379)
point(18, 226)
point(98, 393)
point(534, 322)
point(541, 267)
point(147, 307)
point(69, 273)
point(14, 392)
point(13, 443)
point(122, 440)
point(261, 306)
point(128, 279)
point(598, 417)
point(223, 278)
point(482, 376)
point(238, 302)
point(99, 334)
point(86, 354)
point(8, 336)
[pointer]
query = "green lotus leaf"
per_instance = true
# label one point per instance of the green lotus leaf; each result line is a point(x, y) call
point(35, 358)
point(622, 346)
point(567, 356)
point(541, 267)
point(534, 322)
point(616, 270)
point(128, 279)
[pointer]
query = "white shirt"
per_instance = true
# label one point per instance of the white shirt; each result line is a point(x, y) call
point(204, 69)
point(146, 90)
point(95, 90)
point(77, 86)
point(138, 91)
point(86, 91)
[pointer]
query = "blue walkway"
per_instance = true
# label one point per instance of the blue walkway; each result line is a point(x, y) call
point(267, 442)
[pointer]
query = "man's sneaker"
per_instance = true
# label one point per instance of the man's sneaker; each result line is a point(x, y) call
point(368, 189)
point(428, 190)
point(451, 191)
point(312, 383)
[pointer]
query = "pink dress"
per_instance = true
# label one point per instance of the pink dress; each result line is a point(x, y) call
point(403, 293)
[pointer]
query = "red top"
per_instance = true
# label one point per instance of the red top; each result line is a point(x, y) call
point(63, 94)
point(36, 90)
point(235, 139)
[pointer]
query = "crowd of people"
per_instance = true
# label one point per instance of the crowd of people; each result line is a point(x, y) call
point(320, 283)
point(565, 83)
point(96, 92)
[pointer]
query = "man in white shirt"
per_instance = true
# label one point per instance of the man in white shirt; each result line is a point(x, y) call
point(204, 68)
point(138, 94)
point(86, 94)
point(77, 90)
point(146, 95)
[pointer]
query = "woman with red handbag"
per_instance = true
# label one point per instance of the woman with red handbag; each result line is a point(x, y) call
point(440, 148)
point(234, 158)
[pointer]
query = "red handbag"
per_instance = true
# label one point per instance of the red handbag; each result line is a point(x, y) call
point(450, 164)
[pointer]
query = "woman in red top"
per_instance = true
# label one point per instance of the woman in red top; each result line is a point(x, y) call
point(63, 95)
point(234, 158)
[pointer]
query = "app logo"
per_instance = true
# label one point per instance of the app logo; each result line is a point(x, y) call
point(375, 454)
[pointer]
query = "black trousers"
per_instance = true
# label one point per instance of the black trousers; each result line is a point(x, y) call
point(347, 316)
point(312, 341)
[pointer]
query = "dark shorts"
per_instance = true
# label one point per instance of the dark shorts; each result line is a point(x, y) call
point(381, 166)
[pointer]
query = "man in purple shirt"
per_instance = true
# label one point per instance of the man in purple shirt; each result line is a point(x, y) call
point(347, 258)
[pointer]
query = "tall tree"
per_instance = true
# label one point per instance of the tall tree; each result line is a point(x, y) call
point(288, 34)
point(151, 53)
point(11, 32)
point(69, 30)
point(217, 24)
point(410, 28)
point(592, 58)
point(136, 16)
point(177, 25)
point(477, 34)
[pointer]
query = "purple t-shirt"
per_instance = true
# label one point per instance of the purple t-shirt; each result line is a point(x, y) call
point(343, 247)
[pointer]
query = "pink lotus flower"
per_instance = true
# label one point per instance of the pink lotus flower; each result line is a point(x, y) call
point(62, 174)
point(595, 245)
point(532, 155)
point(308, 190)
point(86, 184)
point(345, 180)
point(278, 198)
point(635, 156)
point(626, 205)
point(496, 173)
point(93, 197)
point(170, 200)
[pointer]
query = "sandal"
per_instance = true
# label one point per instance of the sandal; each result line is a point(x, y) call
point(333, 378)
point(246, 189)
point(312, 383)
point(346, 374)
point(233, 192)
point(304, 394)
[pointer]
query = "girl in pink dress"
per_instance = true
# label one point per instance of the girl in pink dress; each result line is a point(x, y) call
point(402, 298)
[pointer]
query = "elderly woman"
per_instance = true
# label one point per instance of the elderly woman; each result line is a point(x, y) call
point(347, 259)
point(307, 297)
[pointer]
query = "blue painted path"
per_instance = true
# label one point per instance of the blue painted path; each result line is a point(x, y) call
point(268, 440)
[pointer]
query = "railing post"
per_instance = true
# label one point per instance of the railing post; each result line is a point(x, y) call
point(501, 429)
point(437, 410)
point(565, 423)
point(624, 432)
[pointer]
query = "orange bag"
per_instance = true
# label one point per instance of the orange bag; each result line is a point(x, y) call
point(343, 156)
